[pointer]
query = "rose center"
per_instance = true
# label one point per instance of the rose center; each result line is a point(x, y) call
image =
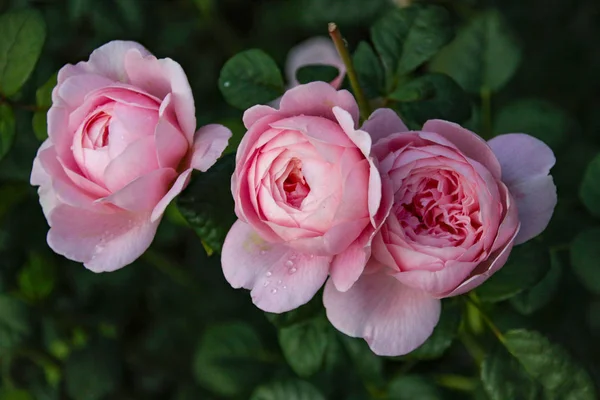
point(97, 130)
point(295, 187)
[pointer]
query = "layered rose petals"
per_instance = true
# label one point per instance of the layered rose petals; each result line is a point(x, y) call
point(121, 146)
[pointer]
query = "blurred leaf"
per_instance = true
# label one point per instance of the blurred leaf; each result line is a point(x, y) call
point(14, 323)
point(526, 266)
point(505, 379)
point(7, 129)
point(288, 390)
point(343, 12)
point(550, 365)
point(94, 372)
point(316, 72)
point(303, 313)
point(589, 191)
point(78, 8)
point(37, 278)
point(238, 130)
point(207, 203)
point(537, 118)
point(369, 70)
point(585, 253)
point(412, 387)
point(304, 345)
point(536, 297)
point(228, 359)
point(15, 394)
point(431, 96)
point(43, 98)
point(406, 38)
point(22, 35)
point(367, 365)
point(249, 78)
point(443, 334)
point(483, 55)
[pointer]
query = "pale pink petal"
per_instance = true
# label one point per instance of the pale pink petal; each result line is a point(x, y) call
point(468, 142)
point(163, 77)
point(209, 143)
point(361, 139)
point(144, 193)
point(317, 99)
point(393, 318)
point(382, 123)
point(41, 178)
point(171, 145)
point(74, 89)
point(137, 159)
point(109, 59)
point(102, 239)
point(318, 50)
point(347, 267)
point(257, 112)
point(526, 163)
point(280, 278)
point(180, 183)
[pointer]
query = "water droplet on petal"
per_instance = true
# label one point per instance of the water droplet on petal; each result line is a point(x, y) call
point(293, 257)
point(273, 290)
point(312, 256)
point(289, 263)
point(285, 287)
point(227, 84)
point(263, 252)
point(279, 282)
point(268, 273)
point(292, 270)
point(266, 283)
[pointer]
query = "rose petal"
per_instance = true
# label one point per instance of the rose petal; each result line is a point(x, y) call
point(137, 159)
point(317, 50)
point(171, 145)
point(280, 278)
point(209, 143)
point(468, 142)
point(347, 267)
point(382, 123)
point(361, 139)
point(526, 163)
point(180, 183)
point(109, 59)
point(102, 239)
point(393, 318)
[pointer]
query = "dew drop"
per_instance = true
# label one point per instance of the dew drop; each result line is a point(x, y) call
point(263, 252)
point(268, 273)
point(273, 290)
point(284, 287)
point(266, 283)
point(279, 282)
point(293, 257)
point(227, 84)
point(289, 263)
point(292, 270)
point(312, 256)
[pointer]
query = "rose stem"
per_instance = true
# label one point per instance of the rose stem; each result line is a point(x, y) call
point(342, 50)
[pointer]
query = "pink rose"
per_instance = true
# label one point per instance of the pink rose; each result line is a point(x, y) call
point(308, 197)
point(121, 146)
point(460, 204)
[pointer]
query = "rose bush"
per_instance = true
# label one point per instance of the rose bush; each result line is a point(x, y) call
point(308, 196)
point(122, 144)
point(460, 204)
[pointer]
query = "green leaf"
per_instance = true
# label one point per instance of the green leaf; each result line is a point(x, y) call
point(207, 204)
point(550, 365)
point(22, 35)
point(536, 297)
point(537, 118)
point(288, 390)
point(504, 378)
point(527, 264)
point(484, 54)
point(431, 96)
point(14, 323)
point(443, 334)
point(367, 365)
point(411, 387)
point(228, 359)
point(7, 129)
point(369, 70)
point(313, 73)
point(94, 372)
point(585, 253)
point(250, 77)
point(304, 345)
point(303, 313)
point(37, 278)
point(589, 191)
point(407, 37)
point(43, 98)
point(15, 394)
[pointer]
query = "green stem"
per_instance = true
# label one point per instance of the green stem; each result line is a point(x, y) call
point(472, 298)
point(486, 111)
point(340, 45)
point(473, 348)
point(456, 382)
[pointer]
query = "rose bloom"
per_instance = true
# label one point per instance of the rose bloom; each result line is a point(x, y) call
point(308, 197)
point(460, 204)
point(122, 143)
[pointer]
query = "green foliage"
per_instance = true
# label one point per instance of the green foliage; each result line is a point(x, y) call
point(312, 73)
point(484, 54)
point(369, 70)
point(585, 253)
point(410, 387)
point(505, 378)
point(14, 394)
point(533, 299)
point(291, 389)
point(443, 335)
point(7, 129)
point(14, 323)
point(526, 266)
point(304, 345)
point(589, 190)
point(37, 277)
point(207, 204)
point(22, 35)
point(43, 100)
point(250, 77)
